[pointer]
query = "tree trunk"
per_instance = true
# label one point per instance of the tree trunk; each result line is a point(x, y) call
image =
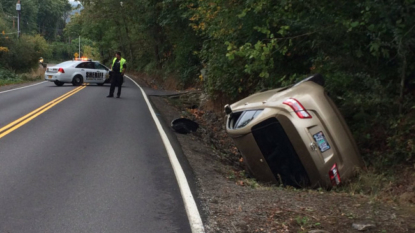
point(158, 41)
point(403, 77)
point(129, 42)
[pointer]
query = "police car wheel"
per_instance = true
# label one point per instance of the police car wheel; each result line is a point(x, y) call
point(57, 83)
point(77, 80)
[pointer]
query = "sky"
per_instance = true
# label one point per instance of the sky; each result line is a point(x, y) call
point(74, 4)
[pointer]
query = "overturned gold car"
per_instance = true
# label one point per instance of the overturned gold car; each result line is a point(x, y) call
point(294, 135)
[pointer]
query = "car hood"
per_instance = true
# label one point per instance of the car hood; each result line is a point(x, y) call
point(305, 92)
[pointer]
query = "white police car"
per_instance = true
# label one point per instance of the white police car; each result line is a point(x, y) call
point(77, 72)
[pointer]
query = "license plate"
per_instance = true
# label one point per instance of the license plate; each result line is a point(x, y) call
point(321, 141)
point(50, 76)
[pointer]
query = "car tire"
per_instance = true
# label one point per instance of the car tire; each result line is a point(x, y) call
point(100, 84)
point(77, 80)
point(57, 83)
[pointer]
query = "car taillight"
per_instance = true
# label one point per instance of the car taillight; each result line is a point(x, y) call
point(334, 175)
point(61, 70)
point(298, 108)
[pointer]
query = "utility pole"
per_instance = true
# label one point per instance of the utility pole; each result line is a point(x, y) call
point(18, 9)
point(79, 47)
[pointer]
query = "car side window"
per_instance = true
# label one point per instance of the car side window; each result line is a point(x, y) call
point(82, 65)
point(99, 66)
point(90, 65)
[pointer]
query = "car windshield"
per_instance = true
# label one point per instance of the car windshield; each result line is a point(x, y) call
point(247, 117)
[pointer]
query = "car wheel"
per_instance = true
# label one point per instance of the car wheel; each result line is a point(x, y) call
point(77, 80)
point(57, 83)
point(100, 84)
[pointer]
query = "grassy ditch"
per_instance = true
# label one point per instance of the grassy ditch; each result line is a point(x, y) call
point(378, 180)
point(8, 77)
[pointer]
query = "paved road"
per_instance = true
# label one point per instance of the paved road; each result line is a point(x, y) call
point(88, 164)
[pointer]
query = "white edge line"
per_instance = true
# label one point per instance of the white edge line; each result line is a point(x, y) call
point(15, 89)
point(192, 212)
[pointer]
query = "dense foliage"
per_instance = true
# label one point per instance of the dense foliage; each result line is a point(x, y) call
point(41, 21)
point(364, 48)
point(21, 54)
point(44, 17)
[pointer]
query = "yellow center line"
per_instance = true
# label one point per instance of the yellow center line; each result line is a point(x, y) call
point(30, 116)
point(36, 110)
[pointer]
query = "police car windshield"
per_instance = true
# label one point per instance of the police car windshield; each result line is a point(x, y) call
point(64, 63)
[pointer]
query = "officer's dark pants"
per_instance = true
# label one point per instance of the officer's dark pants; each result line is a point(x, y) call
point(117, 80)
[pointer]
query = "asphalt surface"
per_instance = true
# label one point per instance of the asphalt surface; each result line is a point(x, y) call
point(88, 164)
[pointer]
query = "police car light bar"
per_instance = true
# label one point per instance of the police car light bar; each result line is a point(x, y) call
point(81, 59)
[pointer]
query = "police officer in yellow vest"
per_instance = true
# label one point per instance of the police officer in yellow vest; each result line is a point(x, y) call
point(118, 68)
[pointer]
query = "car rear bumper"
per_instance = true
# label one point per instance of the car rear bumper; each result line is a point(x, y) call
point(51, 77)
point(57, 77)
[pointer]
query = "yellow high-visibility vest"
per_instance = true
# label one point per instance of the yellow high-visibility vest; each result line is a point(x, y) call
point(122, 62)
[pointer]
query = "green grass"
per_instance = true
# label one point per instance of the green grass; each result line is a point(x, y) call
point(4, 82)
point(8, 77)
point(18, 80)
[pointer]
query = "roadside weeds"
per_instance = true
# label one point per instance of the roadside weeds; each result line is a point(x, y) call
point(9, 79)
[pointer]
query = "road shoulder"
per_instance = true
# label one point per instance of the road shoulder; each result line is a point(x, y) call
point(19, 85)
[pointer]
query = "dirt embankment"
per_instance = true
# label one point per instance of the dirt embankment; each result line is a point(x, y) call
point(231, 202)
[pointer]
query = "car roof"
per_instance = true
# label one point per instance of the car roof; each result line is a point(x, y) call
point(70, 63)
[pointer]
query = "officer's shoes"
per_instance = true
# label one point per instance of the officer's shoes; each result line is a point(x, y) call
point(118, 96)
point(110, 96)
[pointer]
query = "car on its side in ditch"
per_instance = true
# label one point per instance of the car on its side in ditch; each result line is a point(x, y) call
point(77, 72)
point(294, 135)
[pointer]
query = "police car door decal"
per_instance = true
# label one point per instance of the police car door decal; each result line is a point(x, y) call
point(94, 76)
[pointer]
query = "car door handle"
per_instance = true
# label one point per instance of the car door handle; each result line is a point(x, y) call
point(82, 70)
